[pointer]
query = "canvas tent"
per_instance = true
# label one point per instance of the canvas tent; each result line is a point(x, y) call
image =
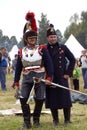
point(74, 46)
point(13, 51)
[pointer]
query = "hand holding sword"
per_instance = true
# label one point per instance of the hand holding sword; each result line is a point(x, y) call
point(37, 80)
point(54, 85)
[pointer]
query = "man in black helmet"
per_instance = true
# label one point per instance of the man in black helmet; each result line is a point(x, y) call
point(33, 61)
point(58, 98)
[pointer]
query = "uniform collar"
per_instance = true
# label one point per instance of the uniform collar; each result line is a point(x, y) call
point(53, 45)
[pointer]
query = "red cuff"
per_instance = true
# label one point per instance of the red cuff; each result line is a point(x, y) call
point(49, 78)
point(16, 84)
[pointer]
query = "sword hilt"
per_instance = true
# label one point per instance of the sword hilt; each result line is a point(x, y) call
point(37, 80)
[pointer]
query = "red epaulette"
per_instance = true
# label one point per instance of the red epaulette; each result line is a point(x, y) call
point(20, 52)
point(41, 47)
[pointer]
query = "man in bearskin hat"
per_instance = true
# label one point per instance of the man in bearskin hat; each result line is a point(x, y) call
point(33, 61)
point(59, 98)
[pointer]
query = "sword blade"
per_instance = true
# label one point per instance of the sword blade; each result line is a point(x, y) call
point(69, 89)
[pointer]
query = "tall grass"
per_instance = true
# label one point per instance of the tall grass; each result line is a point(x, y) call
point(13, 122)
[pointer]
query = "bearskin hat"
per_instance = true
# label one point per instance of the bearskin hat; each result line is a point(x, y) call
point(51, 30)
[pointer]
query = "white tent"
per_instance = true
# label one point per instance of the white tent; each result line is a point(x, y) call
point(74, 46)
point(13, 51)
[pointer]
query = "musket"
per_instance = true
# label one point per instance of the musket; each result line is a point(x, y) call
point(54, 85)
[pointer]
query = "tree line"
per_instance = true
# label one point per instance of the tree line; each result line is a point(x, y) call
point(77, 27)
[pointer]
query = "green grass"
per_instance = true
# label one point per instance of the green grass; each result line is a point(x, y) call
point(13, 122)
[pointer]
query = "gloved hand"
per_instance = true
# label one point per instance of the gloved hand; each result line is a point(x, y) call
point(17, 92)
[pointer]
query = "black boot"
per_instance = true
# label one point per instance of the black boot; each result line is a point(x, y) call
point(55, 117)
point(36, 122)
point(25, 126)
point(26, 114)
point(37, 112)
point(67, 112)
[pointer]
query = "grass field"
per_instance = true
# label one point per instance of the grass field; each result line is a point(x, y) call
point(13, 122)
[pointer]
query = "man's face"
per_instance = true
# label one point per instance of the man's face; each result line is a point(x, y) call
point(52, 39)
point(4, 52)
point(31, 41)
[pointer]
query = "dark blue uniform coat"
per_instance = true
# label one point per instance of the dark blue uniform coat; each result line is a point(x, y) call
point(58, 98)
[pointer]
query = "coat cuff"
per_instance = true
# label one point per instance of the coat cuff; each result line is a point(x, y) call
point(16, 84)
point(49, 78)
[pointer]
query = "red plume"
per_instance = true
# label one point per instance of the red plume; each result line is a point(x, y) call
point(30, 16)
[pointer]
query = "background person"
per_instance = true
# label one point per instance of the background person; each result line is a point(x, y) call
point(14, 62)
point(58, 98)
point(76, 76)
point(3, 67)
point(33, 61)
point(9, 66)
point(83, 64)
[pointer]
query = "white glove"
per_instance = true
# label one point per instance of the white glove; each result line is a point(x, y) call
point(17, 92)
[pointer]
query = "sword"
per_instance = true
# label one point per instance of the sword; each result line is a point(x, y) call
point(31, 93)
point(54, 85)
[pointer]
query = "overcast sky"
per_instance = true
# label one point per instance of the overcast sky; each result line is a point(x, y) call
point(12, 13)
